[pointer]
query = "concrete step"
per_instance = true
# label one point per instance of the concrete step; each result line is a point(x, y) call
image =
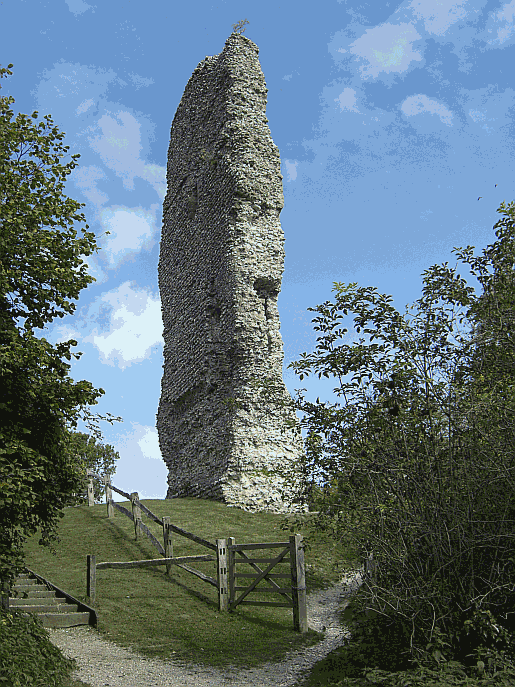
point(55, 608)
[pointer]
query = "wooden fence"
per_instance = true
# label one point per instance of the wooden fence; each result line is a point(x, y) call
point(225, 557)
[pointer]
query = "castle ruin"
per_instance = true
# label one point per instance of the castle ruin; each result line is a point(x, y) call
point(220, 269)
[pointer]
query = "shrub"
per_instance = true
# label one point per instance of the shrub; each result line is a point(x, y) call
point(27, 656)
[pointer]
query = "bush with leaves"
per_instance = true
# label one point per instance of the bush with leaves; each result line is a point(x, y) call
point(419, 462)
point(27, 656)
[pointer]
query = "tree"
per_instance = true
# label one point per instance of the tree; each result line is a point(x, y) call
point(40, 268)
point(421, 452)
point(99, 458)
point(493, 360)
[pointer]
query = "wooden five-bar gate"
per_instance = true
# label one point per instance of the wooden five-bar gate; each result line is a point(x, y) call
point(228, 555)
point(297, 588)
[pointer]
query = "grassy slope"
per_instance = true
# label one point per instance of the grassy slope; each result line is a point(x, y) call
point(178, 616)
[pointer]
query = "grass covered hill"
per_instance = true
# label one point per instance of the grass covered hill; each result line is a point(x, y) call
point(178, 616)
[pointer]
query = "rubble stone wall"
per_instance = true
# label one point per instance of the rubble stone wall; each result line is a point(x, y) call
point(220, 269)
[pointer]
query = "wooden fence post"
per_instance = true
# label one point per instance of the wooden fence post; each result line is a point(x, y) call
point(231, 541)
point(300, 615)
point(221, 570)
point(91, 578)
point(109, 496)
point(167, 541)
point(91, 493)
point(136, 511)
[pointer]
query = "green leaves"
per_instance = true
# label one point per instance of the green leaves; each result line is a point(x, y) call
point(89, 455)
point(30, 200)
point(419, 463)
point(40, 269)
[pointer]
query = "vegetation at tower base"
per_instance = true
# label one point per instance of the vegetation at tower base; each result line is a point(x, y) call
point(419, 464)
point(40, 267)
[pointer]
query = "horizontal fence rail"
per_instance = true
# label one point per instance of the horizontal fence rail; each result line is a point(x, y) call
point(93, 566)
point(226, 550)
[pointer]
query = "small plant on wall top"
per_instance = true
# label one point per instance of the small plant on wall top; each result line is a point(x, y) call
point(238, 28)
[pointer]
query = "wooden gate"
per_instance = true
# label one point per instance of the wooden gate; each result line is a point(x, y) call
point(294, 594)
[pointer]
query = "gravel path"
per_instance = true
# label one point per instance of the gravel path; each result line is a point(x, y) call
point(104, 664)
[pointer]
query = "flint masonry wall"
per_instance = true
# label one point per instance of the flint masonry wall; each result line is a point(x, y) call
point(220, 269)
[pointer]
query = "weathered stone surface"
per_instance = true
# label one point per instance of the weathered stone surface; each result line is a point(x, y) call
point(220, 269)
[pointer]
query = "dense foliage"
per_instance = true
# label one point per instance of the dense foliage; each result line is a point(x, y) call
point(40, 268)
point(418, 463)
point(28, 657)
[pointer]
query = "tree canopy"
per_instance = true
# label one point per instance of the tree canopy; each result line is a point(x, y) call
point(40, 269)
point(418, 462)
point(98, 457)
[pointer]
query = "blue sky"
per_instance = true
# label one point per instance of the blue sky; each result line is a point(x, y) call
point(391, 119)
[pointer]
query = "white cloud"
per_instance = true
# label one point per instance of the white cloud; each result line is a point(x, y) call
point(130, 231)
point(149, 442)
point(438, 16)
point(291, 169)
point(77, 7)
point(502, 22)
point(86, 178)
point(141, 467)
point(84, 106)
point(347, 100)
point(387, 48)
point(131, 319)
point(419, 104)
point(143, 440)
point(119, 147)
point(119, 136)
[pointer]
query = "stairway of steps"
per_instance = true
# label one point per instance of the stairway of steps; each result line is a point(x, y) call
point(30, 595)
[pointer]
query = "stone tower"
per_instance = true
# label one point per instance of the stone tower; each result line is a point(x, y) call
point(220, 269)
